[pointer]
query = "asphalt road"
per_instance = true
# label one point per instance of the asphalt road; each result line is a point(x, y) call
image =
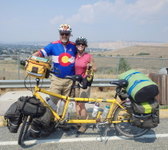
point(155, 139)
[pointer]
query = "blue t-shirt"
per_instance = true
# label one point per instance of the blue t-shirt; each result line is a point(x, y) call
point(63, 57)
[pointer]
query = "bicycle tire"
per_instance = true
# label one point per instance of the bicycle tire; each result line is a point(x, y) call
point(126, 128)
point(24, 129)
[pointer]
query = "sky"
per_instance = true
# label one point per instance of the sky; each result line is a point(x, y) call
point(97, 20)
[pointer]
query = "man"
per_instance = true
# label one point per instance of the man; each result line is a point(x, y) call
point(63, 54)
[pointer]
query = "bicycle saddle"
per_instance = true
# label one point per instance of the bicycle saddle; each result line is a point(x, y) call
point(75, 78)
point(120, 83)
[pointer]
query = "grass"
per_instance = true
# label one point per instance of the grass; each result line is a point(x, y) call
point(163, 106)
point(3, 122)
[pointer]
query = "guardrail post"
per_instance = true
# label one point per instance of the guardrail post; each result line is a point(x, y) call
point(162, 82)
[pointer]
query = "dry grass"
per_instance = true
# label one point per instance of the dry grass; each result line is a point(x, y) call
point(105, 76)
point(145, 63)
point(9, 70)
point(105, 92)
point(96, 92)
point(3, 91)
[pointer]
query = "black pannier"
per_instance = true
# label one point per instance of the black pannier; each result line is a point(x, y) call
point(146, 114)
point(146, 120)
point(24, 106)
point(31, 106)
point(13, 117)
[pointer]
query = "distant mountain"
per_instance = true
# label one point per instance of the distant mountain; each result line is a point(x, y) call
point(39, 43)
point(122, 44)
point(102, 45)
point(35, 43)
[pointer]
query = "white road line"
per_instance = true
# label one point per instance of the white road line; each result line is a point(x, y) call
point(87, 139)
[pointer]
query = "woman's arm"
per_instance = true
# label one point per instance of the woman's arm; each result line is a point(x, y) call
point(92, 64)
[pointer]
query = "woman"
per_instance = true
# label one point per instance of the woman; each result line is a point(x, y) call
point(84, 66)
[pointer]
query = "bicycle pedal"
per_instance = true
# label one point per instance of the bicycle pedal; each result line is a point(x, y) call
point(62, 122)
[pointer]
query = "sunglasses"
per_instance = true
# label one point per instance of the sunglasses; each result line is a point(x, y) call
point(81, 44)
point(66, 34)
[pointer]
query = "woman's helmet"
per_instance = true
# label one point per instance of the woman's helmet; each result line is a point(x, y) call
point(65, 28)
point(81, 40)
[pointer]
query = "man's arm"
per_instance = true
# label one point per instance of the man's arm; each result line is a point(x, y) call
point(38, 54)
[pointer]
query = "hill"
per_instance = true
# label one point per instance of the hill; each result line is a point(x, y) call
point(139, 51)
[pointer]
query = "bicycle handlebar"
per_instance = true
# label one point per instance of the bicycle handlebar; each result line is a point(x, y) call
point(74, 78)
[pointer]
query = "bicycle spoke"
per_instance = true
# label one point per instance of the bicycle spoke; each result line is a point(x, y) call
point(125, 127)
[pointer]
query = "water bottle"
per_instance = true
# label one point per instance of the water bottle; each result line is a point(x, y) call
point(51, 103)
point(70, 110)
point(95, 110)
point(128, 105)
point(105, 112)
point(60, 107)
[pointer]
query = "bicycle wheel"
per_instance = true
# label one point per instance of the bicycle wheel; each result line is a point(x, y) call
point(23, 131)
point(127, 128)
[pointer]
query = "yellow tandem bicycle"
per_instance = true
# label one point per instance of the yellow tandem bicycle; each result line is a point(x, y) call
point(118, 114)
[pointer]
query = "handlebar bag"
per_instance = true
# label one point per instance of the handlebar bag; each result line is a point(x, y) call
point(38, 67)
point(140, 87)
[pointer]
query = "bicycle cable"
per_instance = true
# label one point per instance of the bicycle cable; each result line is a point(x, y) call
point(25, 84)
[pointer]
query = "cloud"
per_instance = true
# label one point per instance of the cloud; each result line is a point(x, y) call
point(85, 15)
point(144, 8)
point(140, 10)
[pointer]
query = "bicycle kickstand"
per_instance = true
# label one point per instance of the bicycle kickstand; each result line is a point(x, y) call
point(104, 137)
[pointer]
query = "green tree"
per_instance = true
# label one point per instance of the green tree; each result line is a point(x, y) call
point(123, 65)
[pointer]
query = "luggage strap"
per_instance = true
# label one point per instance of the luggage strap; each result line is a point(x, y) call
point(134, 85)
point(24, 103)
point(129, 76)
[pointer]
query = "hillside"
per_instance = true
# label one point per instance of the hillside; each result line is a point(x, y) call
point(123, 44)
point(139, 51)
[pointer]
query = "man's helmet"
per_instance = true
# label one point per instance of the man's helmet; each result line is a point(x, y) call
point(81, 40)
point(65, 28)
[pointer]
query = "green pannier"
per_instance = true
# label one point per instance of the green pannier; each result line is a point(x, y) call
point(140, 87)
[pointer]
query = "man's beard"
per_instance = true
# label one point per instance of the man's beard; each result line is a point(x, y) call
point(64, 40)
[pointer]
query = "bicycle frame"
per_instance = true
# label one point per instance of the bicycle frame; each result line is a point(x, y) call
point(114, 102)
point(118, 114)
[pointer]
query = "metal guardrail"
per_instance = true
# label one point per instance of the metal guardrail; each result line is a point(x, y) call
point(46, 83)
